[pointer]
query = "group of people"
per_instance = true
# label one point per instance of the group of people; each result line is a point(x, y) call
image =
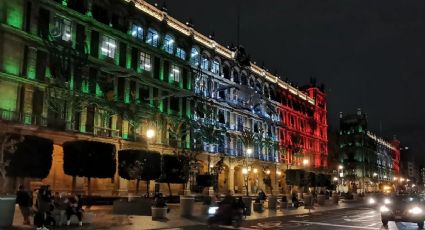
point(49, 209)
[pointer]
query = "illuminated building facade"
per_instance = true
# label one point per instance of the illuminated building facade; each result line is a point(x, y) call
point(76, 69)
point(368, 160)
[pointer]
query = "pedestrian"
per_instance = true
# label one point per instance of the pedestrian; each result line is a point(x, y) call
point(24, 200)
point(74, 207)
point(43, 205)
point(60, 203)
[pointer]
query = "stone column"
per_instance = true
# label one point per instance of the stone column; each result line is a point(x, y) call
point(27, 109)
point(231, 178)
point(83, 119)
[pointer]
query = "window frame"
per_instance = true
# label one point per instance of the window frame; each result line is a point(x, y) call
point(111, 46)
point(169, 44)
point(181, 53)
point(137, 31)
point(145, 62)
point(152, 37)
point(175, 73)
point(65, 28)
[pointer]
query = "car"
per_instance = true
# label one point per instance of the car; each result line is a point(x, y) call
point(404, 208)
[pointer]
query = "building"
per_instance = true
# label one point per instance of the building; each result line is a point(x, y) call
point(112, 70)
point(368, 160)
point(408, 166)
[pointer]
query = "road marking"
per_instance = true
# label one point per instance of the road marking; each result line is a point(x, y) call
point(333, 225)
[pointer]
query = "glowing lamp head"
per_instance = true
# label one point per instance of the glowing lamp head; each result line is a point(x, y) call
point(340, 167)
point(244, 171)
point(335, 179)
point(255, 170)
point(150, 133)
point(305, 162)
point(268, 171)
point(249, 151)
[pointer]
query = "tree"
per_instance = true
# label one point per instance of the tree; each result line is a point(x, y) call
point(26, 156)
point(139, 165)
point(174, 170)
point(89, 159)
point(295, 177)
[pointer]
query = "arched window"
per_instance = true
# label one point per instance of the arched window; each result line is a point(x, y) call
point(204, 62)
point(236, 76)
point(152, 37)
point(168, 44)
point(226, 71)
point(244, 79)
point(194, 56)
point(137, 31)
point(215, 67)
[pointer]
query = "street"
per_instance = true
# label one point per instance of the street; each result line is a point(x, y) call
point(354, 218)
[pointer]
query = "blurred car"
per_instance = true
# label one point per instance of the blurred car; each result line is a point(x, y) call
point(404, 208)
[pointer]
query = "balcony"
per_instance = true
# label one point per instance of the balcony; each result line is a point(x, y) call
point(106, 132)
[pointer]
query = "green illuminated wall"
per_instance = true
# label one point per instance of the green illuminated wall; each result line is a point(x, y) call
point(12, 53)
point(8, 95)
point(14, 13)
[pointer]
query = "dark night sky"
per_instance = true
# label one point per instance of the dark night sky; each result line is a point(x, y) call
point(369, 54)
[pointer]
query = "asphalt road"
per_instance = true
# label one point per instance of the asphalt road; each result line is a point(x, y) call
point(356, 218)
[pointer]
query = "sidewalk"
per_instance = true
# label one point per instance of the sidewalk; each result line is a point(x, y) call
point(106, 220)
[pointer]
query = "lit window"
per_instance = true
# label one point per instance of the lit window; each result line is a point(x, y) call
point(204, 63)
point(109, 46)
point(169, 44)
point(175, 73)
point(145, 61)
point(180, 53)
point(137, 31)
point(215, 68)
point(152, 37)
point(61, 29)
point(194, 56)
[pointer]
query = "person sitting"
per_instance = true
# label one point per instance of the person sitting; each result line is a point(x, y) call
point(262, 195)
point(60, 203)
point(74, 208)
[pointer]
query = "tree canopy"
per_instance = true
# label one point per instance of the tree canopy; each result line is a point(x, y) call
point(139, 164)
point(174, 169)
point(89, 159)
point(32, 158)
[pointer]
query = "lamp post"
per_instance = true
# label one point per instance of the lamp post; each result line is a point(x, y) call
point(245, 170)
point(341, 175)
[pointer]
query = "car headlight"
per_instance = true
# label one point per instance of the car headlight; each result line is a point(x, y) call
point(212, 210)
point(415, 210)
point(372, 201)
point(387, 201)
point(384, 208)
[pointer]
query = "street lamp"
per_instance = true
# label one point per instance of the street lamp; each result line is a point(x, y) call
point(305, 162)
point(248, 151)
point(340, 167)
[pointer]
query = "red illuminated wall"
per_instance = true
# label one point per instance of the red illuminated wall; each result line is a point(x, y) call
point(396, 156)
point(308, 123)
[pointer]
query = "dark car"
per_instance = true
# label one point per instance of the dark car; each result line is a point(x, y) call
point(404, 208)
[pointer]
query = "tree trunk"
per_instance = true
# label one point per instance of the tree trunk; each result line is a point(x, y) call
point(88, 186)
point(137, 186)
point(169, 189)
point(147, 187)
point(74, 184)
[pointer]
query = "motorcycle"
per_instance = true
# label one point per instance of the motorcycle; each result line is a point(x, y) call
point(226, 214)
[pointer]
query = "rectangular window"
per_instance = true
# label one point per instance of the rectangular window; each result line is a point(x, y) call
point(145, 61)
point(152, 38)
point(204, 63)
point(137, 31)
point(109, 46)
point(61, 28)
point(175, 73)
point(180, 53)
point(215, 68)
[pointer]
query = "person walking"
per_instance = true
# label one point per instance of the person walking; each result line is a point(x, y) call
point(43, 205)
point(24, 200)
point(60, 203)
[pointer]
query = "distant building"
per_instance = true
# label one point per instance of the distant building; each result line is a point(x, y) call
point(368, 160)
